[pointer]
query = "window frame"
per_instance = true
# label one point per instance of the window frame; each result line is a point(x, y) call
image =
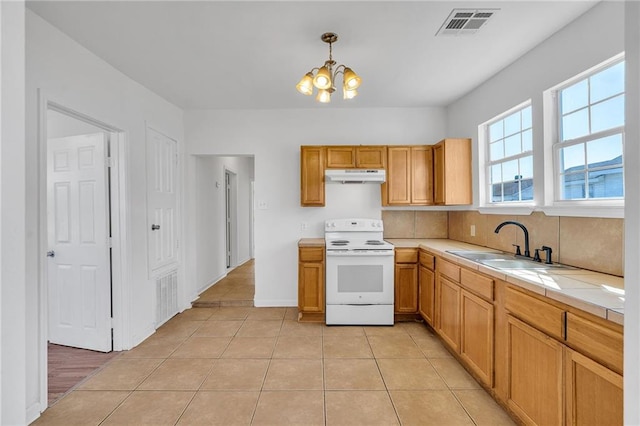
point(485, 202)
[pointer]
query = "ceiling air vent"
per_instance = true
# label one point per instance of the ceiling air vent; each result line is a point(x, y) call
point(465, 21)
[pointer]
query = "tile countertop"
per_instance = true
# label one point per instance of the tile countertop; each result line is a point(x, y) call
point(599, 294)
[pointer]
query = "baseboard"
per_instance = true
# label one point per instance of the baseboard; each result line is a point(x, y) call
point(275, 303)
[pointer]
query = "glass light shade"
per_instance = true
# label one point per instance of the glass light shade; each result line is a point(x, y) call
point(305, 86)
point(351, 79)
point(349, 94)
point(322, 80)
point(324, 96)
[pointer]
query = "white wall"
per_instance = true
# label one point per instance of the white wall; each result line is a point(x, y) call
point(12, 213)
point(75, 78)
point(274, 138)
point(632, 218)
point(589, 40)
point(209, 247)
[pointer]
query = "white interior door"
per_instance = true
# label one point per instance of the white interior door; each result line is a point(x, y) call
point(79, 272)
point(162, 199)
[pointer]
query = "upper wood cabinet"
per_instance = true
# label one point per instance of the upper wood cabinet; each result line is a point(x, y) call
point(409, 176)
point(312, 165)
point(361, 157)
point(452, 172)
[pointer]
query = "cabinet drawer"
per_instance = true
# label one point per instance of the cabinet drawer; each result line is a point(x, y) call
point(427, 260)
point(535, 312)
point(311, 254)
point(476, 283)
point(407, 255)
point(596, 341)
point(449, 269)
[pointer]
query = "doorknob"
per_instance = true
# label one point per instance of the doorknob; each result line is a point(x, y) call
point(155, 227)
point(51, 253)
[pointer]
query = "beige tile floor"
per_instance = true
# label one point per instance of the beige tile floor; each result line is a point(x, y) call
point(259, 366)
point(236, 289)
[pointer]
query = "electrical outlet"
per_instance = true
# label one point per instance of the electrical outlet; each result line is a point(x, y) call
point(304, 226)
point(263, 205)
point(473, 230)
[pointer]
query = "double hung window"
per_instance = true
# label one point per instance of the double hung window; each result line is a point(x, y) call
point(509, 150)
point(589, 148)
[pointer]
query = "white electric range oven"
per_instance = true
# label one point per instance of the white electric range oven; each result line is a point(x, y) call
point(359, 273)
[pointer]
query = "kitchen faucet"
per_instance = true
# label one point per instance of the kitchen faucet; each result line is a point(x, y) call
point(526, 234)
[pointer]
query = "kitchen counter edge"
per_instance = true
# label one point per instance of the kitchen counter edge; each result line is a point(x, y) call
point(582, 297)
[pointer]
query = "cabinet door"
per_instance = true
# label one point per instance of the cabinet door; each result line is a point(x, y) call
point(371, 157)
point(398, 185)
point(535, 379)
point(593, 392)
point(406, 288)
point(476, 335)
point(448, 308)
point(426, 294)
point(312, 176)
point(421, 175)
point(438, 174)
point(341, 157)
point(311, 287)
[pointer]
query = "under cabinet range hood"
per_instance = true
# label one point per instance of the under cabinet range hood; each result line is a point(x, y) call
point(355, 175)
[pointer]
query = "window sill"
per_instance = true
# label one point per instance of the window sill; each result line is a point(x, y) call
point(585, 210)
point(519, 209)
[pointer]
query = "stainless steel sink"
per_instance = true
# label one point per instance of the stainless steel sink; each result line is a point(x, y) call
point(501, 260)
point(477, 256)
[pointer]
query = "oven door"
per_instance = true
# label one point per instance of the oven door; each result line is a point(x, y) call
point(359, 277)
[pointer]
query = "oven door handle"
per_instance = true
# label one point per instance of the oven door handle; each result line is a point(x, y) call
point(350, 253)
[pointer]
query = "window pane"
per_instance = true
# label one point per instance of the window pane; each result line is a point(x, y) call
point(526, 189)
point(496, 193)
point(510, 170)
point(512, 145)
point(511, 191)
point(573, 186)
point(605, 152)
point(606, 183)
point(495, 131)
point(526, 118)
point(574, 97)
point(496, 173)
point(607, 83)
point(575, 125)
point(526, 167)
point(607, 114)
point(572, 158)
point(512, 124)
point(496, 151)
point(527, 141)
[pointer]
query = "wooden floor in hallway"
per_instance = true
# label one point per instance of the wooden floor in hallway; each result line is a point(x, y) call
point(68, 366)
point(236, 289)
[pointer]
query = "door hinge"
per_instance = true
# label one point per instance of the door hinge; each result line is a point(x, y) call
point(109, 242)
point(111, 321)
point(110, 162)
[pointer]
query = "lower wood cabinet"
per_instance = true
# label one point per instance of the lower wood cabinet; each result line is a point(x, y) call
point(535, 366)
point(406, 281)
point(426, 294)
point(311, 304)
point(593, 392)
point(448, 311)
point(476, 335)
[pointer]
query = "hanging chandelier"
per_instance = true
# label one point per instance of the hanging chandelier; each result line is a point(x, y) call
point(325, 77)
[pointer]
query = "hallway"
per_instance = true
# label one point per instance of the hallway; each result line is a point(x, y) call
point(236, 289)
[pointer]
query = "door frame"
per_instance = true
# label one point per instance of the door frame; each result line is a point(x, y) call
point(231, 207)
point(117, 173)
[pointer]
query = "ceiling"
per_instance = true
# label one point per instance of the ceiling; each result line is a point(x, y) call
point(250, 55)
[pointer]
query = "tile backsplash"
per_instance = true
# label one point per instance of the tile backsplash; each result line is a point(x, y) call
point(589, 243)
